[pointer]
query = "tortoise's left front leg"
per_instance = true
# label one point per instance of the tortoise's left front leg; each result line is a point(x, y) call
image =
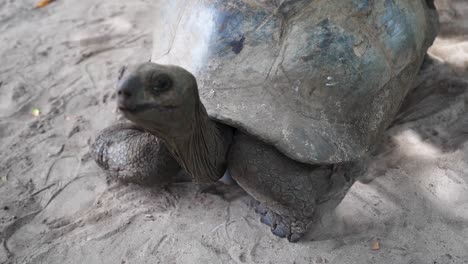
point(292, 195)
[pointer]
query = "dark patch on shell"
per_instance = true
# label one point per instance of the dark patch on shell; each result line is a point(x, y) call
point(237, 45)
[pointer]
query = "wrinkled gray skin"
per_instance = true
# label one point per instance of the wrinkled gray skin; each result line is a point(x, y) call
point(293, 94)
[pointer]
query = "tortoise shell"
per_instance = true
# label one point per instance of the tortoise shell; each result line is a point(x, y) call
point(318, 79)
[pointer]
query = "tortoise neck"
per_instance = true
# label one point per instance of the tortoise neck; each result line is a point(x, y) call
point(202, 149)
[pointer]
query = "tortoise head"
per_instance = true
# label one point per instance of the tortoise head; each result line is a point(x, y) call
point(160, 98)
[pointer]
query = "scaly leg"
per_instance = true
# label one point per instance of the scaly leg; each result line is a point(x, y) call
point(131, 154)
point(292, 195)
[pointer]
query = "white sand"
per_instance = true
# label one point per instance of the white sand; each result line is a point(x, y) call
point(56, 206)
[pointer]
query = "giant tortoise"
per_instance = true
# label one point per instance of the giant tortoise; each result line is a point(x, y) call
point(288, 97)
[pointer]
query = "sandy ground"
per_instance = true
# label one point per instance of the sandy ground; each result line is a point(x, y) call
point(57, 207)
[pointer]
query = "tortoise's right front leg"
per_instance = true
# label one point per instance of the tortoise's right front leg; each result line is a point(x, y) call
point(131, 154)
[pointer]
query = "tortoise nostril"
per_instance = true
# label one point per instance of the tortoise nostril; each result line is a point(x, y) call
point(128, 87)
point(430, 4)
point(124, 93)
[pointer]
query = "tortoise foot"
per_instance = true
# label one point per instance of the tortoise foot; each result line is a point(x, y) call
point(282, 226)
point(130, 154)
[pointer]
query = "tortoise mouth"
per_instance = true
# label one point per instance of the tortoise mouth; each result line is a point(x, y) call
point(135, 109)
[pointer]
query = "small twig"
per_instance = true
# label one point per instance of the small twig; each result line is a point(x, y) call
point(61, 189)
point(53, 165)
point(217, 227)
point(78, 177)
point(43, 189)
point(90, 76)
point(9, 253)
point(92, 53)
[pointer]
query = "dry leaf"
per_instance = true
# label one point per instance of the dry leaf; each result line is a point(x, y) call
point(43, 3)
point(376, 245)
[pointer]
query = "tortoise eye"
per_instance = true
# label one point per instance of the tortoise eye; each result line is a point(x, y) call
point(161, 83)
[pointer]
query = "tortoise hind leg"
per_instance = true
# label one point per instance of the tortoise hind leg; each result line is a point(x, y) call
point(292, 195)
point(131, 154)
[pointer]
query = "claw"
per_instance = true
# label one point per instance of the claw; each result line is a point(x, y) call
point(280, 225)
point(293, 238)
point(267, 219)
point(260, 209)
point(280, 231)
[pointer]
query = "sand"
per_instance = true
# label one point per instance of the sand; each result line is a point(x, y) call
point(56, 205)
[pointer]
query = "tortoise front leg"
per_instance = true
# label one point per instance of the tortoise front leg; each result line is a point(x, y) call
point(130, 154)
point(292, 195)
